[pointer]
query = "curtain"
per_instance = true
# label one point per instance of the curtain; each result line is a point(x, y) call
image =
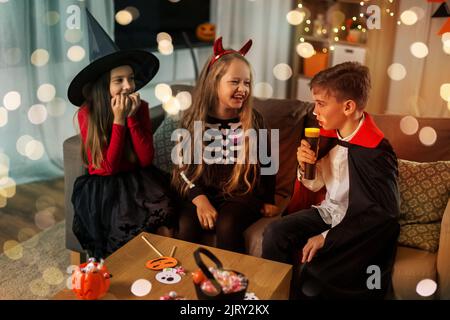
point(264, 21)
point(418, 93)
point(43, 44)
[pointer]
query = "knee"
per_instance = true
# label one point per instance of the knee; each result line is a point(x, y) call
point(273, 233)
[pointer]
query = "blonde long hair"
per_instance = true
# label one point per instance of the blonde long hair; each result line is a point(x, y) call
point(204, 98)
point(100, 124)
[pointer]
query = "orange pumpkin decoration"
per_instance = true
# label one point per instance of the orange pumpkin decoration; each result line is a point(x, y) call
point(90, 285)
point(206, 32)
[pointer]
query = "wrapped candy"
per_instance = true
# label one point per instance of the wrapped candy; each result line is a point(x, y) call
point(229, 281)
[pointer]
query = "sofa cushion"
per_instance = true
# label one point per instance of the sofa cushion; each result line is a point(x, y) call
point(411, 266)
point(163, 144)
point(290, 117)
point(424, 192)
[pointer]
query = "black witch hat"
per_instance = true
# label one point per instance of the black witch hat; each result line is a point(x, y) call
point(104, 55)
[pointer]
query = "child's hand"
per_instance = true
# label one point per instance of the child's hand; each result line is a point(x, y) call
point(311, 247)
point(305, 154)
point(135, 103)
point(270, 210)
point(120, 105)
point(206, 213)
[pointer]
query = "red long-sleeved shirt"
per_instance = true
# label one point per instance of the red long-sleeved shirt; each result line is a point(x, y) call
point(138, 127)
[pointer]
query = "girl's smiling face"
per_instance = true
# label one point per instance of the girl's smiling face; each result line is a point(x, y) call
point(234, 87)
point(121, 81)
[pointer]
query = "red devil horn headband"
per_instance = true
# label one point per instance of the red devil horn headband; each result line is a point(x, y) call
point(219, 51)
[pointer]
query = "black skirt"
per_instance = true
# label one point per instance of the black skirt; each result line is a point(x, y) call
point(111, 210)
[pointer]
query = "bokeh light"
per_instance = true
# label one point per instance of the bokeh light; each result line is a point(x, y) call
point(3, 117)
point(13, 249)
point(39, 287)
point(28, 238)
point(70, 269)
point(263, 90)
point(185, 99)
point(409, 125)
point(40, 57)
point(163, 36)
point(53, 276)
point(73, 35)
point(34, 150)
point(165, 47)
point(445, 37)
point(69, 283)
point(46, 92)
point(22, 143)
point(419, 50)
point(44, 219)
point(3, 201)
point(282, 71)
point(396, 71)
point(37, 114)
point(446, 48)
point(427, 136)
point(12, 100)
point(51, 18)
point(141, 287)
point(420, 13)
point(172, 106)
point(76, 53)
point(305, 50)
point(56, 107)
point(163, 92)
point(7, 187)
point(295, 17)
point(133, 11)
point(124, 17)
point(408, 17)
point(426, 287)
point(4, 165)
point(445, 91)
point(337, 18)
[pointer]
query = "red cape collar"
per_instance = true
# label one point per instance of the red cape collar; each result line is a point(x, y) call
point(368, 136)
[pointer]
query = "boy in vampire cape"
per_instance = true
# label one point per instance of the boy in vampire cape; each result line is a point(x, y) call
point(347, 243)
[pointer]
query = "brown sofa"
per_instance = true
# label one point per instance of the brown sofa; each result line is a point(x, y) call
point(290, 117)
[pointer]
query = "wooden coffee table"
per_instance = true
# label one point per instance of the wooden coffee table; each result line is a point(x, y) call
point(267, 279)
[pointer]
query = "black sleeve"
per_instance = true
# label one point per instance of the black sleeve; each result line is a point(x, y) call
point(194, 192)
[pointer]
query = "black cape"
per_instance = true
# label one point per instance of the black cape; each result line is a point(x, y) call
point(366, 238)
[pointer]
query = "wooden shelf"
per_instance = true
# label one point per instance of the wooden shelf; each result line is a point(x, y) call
point(313, 8)
point(379, 46)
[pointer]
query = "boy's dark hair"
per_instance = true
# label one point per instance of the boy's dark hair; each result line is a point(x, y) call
point(348, 80)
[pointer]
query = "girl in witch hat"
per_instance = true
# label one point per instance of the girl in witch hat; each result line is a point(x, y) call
point(222, 194)
point(123, 194)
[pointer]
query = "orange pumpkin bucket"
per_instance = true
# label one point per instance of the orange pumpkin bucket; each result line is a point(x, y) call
point(90, 281)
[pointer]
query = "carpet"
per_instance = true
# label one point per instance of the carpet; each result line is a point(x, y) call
point(37, 268)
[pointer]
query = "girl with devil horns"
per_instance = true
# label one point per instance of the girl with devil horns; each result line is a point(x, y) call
point(226, 196)
point(122, 194)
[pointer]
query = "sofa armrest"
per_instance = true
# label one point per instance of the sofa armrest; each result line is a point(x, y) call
point(73, 168)
point(443, 256)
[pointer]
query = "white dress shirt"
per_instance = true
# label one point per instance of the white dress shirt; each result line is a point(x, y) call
point(332, 171)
